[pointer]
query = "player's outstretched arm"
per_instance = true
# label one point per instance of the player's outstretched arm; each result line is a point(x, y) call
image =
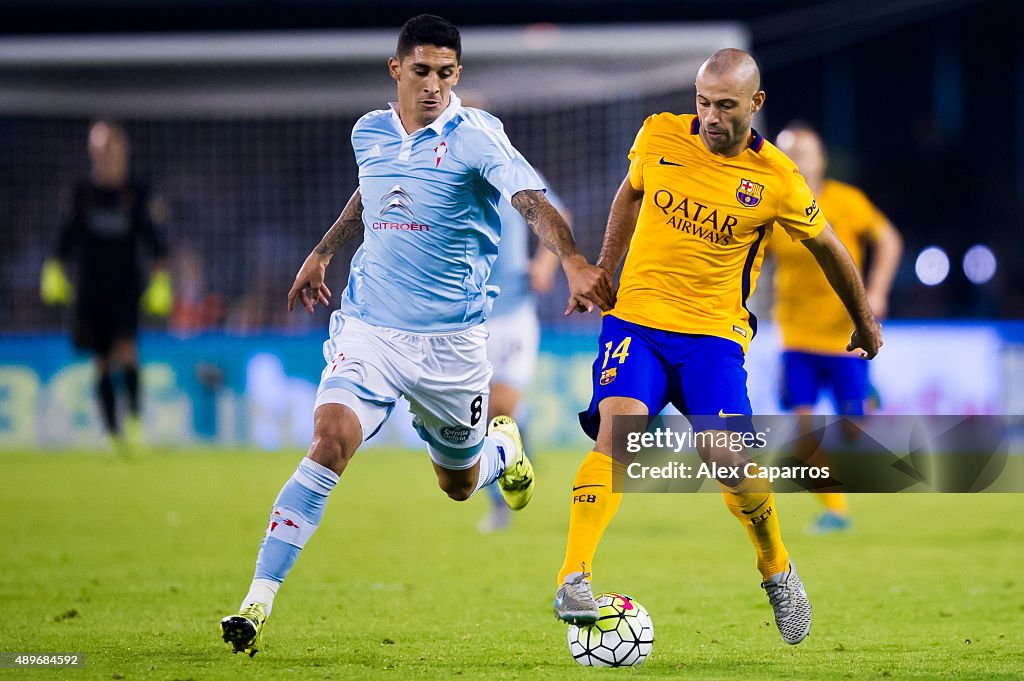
point(621, 225)
point(588, 285)
point(842, 275)
point(309, 287)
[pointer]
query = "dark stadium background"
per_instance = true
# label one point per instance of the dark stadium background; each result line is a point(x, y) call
point(920, 101)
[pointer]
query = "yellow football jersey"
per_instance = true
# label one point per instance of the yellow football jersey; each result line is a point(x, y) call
point(808, 311)
point(703, 226)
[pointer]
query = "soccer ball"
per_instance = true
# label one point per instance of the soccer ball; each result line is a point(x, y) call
point(622, 636)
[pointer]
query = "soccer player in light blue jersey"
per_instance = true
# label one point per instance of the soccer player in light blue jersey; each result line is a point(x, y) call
point(431, 173)
point(514, 340)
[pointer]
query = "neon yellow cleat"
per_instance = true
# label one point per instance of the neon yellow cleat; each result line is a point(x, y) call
point(516, 483)
point(244, 631)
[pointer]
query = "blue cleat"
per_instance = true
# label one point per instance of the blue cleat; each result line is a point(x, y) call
point(829, 522)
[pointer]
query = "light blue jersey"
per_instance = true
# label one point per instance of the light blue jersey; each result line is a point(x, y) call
point(430, 216)
point(511, 273)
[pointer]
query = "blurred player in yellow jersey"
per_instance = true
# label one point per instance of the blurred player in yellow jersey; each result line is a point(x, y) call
point(815, 326)
point(702, 197)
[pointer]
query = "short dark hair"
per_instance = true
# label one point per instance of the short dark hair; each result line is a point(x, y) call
point(428, 29)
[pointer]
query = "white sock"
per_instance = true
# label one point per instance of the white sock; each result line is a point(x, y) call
point(497, 451)
point(262, 591)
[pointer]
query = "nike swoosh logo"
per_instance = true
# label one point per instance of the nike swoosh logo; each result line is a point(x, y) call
point(758, 506)
point(582, 486)
point(669, 163)
point(723, 415)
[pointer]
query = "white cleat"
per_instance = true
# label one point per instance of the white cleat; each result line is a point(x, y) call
point(574, 601)
point(788, 597)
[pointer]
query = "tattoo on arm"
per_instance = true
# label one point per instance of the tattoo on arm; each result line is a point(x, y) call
point(348, 225)
point(546, 222)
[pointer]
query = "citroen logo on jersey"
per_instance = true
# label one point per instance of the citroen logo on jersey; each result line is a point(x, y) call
point(396, 200)
point(749, 193)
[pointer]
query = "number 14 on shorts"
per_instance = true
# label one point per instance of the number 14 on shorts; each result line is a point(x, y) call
point(620, 354)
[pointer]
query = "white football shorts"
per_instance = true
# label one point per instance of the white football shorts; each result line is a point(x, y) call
point(445, 378)
point(512, 346)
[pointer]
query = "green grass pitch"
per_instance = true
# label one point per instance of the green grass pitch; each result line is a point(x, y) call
point(134, 562)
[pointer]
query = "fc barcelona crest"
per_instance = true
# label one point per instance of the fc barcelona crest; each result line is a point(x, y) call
point(608, 375)
point(749, 193)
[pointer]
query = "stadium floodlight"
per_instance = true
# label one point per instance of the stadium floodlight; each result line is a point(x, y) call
point(979, 264)
point(932, 266)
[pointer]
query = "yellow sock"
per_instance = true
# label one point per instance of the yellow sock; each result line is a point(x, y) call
point(834, 501)
point(753, 504)
point(593, 506)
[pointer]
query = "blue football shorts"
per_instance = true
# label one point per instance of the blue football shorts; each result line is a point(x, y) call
point(805, 375)
point(702, 376)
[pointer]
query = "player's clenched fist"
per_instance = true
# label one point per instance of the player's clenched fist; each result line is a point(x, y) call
point(868, 340)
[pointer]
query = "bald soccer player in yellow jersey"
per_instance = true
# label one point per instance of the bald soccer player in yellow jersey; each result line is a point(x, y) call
point(701, 199)
point(814, 324)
